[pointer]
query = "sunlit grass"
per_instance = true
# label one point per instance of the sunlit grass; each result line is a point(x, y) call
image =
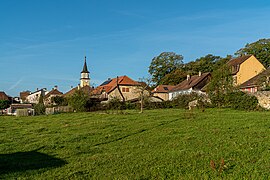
point(158, 144)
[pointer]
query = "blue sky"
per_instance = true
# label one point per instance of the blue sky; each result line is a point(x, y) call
point(43, 43)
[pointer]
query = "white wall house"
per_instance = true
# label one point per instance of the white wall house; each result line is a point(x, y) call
point(33, 98)
point(192, 84)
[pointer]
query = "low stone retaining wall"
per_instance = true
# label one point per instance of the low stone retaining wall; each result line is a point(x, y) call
point(263, 98)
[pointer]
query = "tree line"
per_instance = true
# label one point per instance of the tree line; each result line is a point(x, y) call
point(168, 67)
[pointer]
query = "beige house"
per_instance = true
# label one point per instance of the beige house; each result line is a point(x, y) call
point(244, 68)
point(123, 88)
point(162, 91)
point(53, 93)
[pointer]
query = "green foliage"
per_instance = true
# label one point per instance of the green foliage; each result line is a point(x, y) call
point(115, 104)
point(203, 64)
point(174, 77)
point(39, 109)
point(79, 101)
point(183, 100)
point(260, 49)
point(220, 84)
point(163, 64)
point(241, 101)
point(158, 144)
point(4, 104)
point(60, 101)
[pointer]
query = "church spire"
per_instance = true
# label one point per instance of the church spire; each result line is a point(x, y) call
point(85, 70)
point(85, 79)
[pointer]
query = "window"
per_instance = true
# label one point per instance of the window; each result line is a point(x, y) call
point(125, 89)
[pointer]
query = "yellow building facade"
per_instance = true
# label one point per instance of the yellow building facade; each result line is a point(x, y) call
point(245, 68)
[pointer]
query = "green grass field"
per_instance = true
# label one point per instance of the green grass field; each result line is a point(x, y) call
point(158, 144)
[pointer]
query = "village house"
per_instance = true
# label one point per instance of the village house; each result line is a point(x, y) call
point(244, 68)
point(162, 91)
point(122, 88)
point(194, 83)
point(34, 97)
point(49, 97)
point(258, 82)
point(23, 96)
point(3, 96)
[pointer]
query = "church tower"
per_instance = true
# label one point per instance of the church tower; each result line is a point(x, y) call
point(85, 79)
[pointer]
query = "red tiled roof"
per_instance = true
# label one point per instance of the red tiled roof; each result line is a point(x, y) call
point(86, 89)
point(53, 92)
point(193, 81)
point(111, 84)
point(3, 96)
point(163, 89)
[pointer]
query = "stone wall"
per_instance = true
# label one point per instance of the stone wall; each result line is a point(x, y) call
point(263, 98)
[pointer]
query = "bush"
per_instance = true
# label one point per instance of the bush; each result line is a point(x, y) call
point(235, 100)
point(115, 104)
point(182, 100)
point(39, 109)
point(79, 101)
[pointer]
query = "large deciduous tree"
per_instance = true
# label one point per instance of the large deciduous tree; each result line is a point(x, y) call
point(260, 49)
point(164, 64)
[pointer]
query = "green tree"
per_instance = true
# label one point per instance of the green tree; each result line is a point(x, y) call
point(260, 49)
point(4, 104)
point(40, 107)
point(59, 100)
point(174, 77)
point(164, 64)
point(79, 101)
point(220, 85)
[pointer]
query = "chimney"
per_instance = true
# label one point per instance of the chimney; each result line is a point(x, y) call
point(37, 89)
point(79, 87)
point(71, 87)
point(200, 73)
point(55, 87)
point(188, 77)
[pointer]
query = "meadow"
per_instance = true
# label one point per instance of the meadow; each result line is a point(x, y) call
point(157, 144)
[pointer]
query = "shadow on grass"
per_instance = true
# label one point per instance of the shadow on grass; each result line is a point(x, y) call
point(23, 161)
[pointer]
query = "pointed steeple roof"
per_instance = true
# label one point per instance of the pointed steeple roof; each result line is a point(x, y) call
point(85, 70)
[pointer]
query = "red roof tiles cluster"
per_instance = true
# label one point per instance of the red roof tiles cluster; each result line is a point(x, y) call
point(109, 85)
point(53, 92)
point(85, 89)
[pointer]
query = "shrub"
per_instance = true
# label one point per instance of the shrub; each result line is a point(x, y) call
point(78, 101)
point(59, 101)
point(39, 109)
point(235, 99)
point(181, 101)
point(115, 104)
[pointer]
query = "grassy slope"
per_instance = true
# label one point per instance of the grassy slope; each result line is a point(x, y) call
point(157, 144)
